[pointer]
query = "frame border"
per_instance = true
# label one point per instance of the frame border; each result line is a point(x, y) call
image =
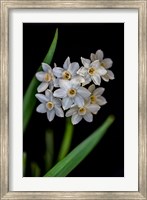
point(5, 7)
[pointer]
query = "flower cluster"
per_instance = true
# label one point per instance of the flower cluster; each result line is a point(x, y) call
point(74, 89)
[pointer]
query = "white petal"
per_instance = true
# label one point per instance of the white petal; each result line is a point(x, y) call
point(42, 87)
point(76, 119)
point(59, 111)
point(49, 94)
point(66, 63)
point(46, 67)
point(73, 68)
point(88, 117)
point(51, 85)
point(78, 79)
point(87, 80)
point(105, 78)
point(101, 101)
point(96, 79)
point(41, 108)
point(79, 100)
point(107, 62)
point(57, 101)
point(95, 63)
point(93, 108)
point(84, 92)
point(58, 71)
point(61, 93)
point(110, 74)
point(82, 71)
point(42, 98)
point(72, 111)
point(65, 84)
point(56, 82)
point(85, 62)
point(99, 55)
point(40, 76)
point(74, 83)
point(67, 103)
point(51, 115)
point(99, 91)
point(92, 57)
point(91, 88)
point(101, 71)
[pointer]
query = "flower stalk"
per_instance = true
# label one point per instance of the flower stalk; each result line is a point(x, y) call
point(67, 138)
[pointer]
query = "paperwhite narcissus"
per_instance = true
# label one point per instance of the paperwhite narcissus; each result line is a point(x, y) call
point(85, 112)
point(68, 72)
point(71, 93)
point(91, 71)
point(95, 97)
point(46, 77)
point(49, 105)
point(105, 62)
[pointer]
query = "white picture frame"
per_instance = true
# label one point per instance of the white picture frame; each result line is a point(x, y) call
point(6, 8)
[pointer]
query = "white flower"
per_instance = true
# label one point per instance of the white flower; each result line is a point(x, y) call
point(68, 72)
point(71, 93)
point(49, 105)
point(106, 63)
point(95, 97)
point(46, 77)
point(84, 112)
point(91, 71)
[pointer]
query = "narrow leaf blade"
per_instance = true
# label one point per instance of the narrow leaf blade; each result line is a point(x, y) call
point(29, 97)
point(65, 166)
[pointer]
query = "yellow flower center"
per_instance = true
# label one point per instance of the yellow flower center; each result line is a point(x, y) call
point(66, 75)
point(50, 105)
point(47, 77)
point(82, 111)
point(93, 99)
point(72, 92)
point(91, 71)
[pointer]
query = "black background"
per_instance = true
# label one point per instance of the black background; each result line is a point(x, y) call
point(76, 40)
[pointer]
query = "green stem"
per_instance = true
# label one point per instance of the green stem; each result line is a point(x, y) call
point(24, 163)
point(66, 142)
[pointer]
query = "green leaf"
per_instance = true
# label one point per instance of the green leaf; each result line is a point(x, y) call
point(65, 166)
point(29, 97)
